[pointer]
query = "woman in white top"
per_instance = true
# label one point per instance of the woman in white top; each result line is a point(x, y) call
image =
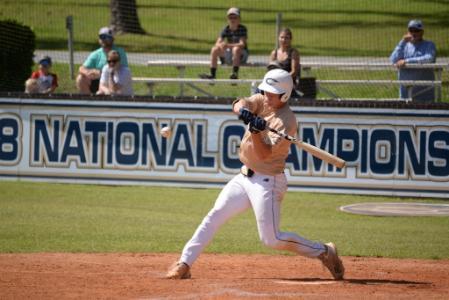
point(115, 78)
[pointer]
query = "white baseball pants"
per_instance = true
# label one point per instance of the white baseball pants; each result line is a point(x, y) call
point(264, 194)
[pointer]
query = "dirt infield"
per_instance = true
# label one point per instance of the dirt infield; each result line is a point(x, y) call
point(140, 276)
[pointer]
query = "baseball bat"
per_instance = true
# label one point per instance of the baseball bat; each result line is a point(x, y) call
point(315, 151)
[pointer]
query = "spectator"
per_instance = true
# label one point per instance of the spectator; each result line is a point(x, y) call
point(230, 46)
point(115, 77)
point(286, 57)
point(89, 74)
point(413, 49)
point(46, 81)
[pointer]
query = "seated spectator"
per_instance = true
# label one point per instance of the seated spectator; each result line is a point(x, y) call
point(46, 81)
point(115, 77)
point(88, 78)
point(230, 46)
point(285, 56)
point(413, 49)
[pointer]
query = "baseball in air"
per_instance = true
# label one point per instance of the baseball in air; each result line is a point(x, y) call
point(166, 132)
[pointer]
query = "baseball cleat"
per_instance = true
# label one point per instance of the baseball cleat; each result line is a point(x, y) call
point(179, 270)
point(332, 262)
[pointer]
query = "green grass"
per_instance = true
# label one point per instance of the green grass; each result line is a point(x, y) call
point(44, 217)
point(321, 27)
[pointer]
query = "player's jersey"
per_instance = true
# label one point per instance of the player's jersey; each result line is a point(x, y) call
point(282, 119)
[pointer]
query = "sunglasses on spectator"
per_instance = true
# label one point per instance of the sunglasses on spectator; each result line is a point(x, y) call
point(233, 17)
point(414, 30)
point(105, 37)
point(112, 61)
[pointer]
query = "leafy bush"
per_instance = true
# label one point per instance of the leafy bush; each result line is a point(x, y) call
point(16, 55)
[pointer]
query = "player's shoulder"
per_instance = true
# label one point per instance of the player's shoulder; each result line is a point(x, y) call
point(118, 49)
point(288, 115)
point(35, 74)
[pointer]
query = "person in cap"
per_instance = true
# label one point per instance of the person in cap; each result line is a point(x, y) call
point(262, 183)
point(45, 80)
point(230, 47)
point(413, 49)
point(115, 78)
point(88, 78)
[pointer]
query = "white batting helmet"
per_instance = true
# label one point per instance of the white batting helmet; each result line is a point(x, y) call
point(279, 82)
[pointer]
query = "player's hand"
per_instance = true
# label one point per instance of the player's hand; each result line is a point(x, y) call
point(400, 63)
point(407, 37)
point(257, 125)
point(245, 115)
point(93, 74)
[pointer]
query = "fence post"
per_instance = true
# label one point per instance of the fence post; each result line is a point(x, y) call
point(278, 28)
point(69, 27)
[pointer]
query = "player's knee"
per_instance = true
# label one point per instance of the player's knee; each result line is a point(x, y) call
point(81, 80)
point(272, 242)
point(215, 218)
point(215, 50)
point(236, 51)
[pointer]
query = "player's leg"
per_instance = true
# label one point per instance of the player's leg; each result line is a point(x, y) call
point(236, 57)
point(215, 52)
point(83, 84)
point(266, 196)
point(231, 201)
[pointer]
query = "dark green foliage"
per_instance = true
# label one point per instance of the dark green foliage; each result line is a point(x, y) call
point(16, 55)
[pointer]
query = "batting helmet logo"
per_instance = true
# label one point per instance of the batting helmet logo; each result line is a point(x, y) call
point(271, 81)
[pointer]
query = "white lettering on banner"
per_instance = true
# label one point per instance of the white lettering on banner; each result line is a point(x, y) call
point(376, 151)
point(99, 143)
point(10, 139)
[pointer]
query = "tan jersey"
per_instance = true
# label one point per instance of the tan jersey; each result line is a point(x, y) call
point(281, 119)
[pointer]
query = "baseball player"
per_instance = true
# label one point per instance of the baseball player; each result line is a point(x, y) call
point(261, 183)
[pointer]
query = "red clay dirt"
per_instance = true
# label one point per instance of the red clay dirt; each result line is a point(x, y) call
point(140, 276)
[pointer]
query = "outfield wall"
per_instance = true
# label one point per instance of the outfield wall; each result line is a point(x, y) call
point(388, 151)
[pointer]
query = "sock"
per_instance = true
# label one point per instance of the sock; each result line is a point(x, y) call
point(235, 69)
point(213, 72)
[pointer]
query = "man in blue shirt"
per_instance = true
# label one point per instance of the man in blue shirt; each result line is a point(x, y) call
point(413, 49)
point(89, 74)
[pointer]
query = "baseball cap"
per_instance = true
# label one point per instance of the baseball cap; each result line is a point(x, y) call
point(45, 61)
point(233, 11)
point(105, 31)
point(417, 24)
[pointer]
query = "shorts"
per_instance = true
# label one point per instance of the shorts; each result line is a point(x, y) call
point(227, 59)
point(94, 85)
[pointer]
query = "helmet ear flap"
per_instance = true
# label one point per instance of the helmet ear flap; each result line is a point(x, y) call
point(285, 97)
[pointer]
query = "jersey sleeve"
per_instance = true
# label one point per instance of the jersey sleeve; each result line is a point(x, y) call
point(123, 56)
point(253, 103)
point(244, 32)
point(55, 80)
point(223, 33)
point(90, 62)
point(104, 74)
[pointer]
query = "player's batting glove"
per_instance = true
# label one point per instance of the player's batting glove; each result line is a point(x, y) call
point(257, 125)
point(245, 115)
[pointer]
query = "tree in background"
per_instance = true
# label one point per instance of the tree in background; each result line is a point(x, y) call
point(124, 17)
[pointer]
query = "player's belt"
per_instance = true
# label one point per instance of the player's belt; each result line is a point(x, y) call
point(246, 171)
